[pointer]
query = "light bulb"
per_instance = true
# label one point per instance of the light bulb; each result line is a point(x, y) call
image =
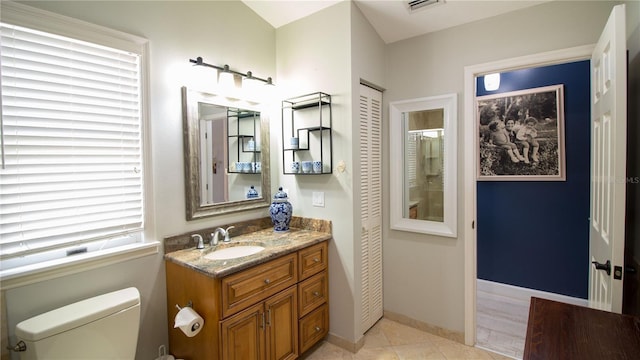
point(226, 81)
point(251, 88)
point(492, 81)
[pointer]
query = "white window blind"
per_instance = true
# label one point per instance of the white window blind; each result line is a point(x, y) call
point(71, 145)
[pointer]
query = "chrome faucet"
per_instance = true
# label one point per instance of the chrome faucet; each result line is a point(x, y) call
point(223, 232)
point(198, 237)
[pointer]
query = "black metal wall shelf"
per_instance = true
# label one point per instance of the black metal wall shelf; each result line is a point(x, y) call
point(242, 127)
point(309, 119)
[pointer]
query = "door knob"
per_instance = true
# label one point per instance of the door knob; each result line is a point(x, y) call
point(606, 266)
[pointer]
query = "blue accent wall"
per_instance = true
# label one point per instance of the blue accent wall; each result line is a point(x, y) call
point(535, 234)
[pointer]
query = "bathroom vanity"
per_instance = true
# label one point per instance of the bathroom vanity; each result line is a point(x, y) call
point(269, 305)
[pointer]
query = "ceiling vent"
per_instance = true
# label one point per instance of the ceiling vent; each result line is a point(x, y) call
point(415, 5)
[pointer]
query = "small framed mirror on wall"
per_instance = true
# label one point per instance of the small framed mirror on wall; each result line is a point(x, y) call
point(423, 153)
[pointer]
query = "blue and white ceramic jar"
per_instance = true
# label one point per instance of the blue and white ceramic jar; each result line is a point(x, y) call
point(252, 193)
point(280, 211)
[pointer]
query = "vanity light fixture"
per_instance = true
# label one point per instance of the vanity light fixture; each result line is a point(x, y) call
point(431, 133)
point(226, 70)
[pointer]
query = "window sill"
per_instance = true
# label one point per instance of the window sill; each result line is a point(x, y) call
point(26, 275)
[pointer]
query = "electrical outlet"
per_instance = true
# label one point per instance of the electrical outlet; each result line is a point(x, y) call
point(318, 199)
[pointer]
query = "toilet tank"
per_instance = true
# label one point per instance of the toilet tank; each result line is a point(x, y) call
point(101, 327)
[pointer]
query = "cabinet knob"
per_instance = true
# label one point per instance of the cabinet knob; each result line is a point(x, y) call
point(267, 281)
point(316, 294)
point(318, 329)
point(316, 260)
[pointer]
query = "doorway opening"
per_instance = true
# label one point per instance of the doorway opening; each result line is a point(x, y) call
point(471, 154)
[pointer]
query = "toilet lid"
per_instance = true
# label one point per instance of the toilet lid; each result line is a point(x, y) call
point(77, 314)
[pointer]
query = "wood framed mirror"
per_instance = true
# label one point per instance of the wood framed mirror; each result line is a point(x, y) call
point(226, 151)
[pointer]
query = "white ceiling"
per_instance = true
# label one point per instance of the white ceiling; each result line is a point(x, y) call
point(391, 18)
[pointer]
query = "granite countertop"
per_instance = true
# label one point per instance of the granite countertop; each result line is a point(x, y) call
point(276, 244)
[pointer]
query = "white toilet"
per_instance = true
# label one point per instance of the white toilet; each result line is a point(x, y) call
point(102, 327)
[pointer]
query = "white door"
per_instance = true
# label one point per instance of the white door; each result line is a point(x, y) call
point(370, 130)
point(213, 179)
point(608, 164)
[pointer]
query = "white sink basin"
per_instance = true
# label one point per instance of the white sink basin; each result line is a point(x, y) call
point(234, 252)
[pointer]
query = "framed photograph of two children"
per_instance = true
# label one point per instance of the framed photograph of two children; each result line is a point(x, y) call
point(521, 135)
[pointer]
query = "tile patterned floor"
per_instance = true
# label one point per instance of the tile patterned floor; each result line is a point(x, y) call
point(389, 340)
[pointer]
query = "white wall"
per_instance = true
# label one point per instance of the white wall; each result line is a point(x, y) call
point(222, 32)
point(424, 275)
point(313, 56)
point(331, 51)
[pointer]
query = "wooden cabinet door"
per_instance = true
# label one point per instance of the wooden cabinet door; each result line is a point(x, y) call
point(282, 325)
point(243, 335)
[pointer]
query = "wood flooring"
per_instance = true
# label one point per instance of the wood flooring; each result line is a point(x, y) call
point(501, 324)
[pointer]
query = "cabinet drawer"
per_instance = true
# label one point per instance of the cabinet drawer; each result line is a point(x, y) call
point(313, 292)
point(258, 283)
point(314, 327)
point(312, 260)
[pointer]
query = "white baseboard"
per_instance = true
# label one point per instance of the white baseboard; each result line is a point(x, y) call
point(525, 294)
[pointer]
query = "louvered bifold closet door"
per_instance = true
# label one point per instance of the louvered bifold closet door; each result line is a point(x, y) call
point(371, 204)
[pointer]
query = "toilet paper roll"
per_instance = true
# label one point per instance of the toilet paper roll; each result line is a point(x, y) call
point(189, 321)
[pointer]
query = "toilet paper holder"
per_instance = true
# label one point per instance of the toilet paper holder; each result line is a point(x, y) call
point(189, 304)
point(195, 326)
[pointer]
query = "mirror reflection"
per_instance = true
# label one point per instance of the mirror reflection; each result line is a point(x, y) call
point(230, 153)
point(226, 156)
point(424, 164)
